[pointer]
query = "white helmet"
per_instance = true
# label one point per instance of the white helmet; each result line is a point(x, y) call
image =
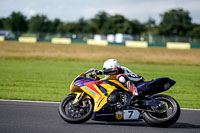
point(111, 63)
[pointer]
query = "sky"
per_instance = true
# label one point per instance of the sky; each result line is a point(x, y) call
point(72, 10)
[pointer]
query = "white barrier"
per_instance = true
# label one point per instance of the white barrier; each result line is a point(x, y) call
point(61, 41)
point(99, 42)
point(27, 39)
point(136, 44)
point(2, 38)
point(178, 45)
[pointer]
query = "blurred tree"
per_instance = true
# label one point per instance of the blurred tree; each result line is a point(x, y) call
point(39, 23)
point(83, 26)
point(127, 27)
point(61, 28)
point(175, 22)
point(72, 27)
point(52, 26)
point(99, 21)
point(114, 24)
point(49, 27)
point(18, 23)
point(1, 23)
point(118, 22)
point(150, 27)
point(94, 26)
point(195, 32)
point(137, 27)
point(91, 27)
point(6, 23)
point(56, 23)
point(151, 23)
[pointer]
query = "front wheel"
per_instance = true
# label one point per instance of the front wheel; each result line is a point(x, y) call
point(73, 113)
point(166, 115)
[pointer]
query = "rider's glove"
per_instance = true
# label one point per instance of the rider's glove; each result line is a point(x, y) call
point(98, 72)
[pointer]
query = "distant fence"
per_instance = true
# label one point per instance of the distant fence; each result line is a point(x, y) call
point(142, 41)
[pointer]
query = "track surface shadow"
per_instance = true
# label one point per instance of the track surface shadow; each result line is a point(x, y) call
point(178, 125)
point(184, 125)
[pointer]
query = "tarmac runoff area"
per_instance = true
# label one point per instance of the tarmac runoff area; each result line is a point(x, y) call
point(18, 116)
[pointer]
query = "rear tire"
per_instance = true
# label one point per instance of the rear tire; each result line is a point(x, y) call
point(72, 114)
point(161, 119)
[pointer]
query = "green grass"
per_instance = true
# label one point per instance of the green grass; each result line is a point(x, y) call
point(49, 79)
point(29, 35)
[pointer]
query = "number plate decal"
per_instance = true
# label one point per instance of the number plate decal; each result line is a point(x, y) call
point(131, 114)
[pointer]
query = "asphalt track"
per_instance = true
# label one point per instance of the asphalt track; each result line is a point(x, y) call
point(28, 117)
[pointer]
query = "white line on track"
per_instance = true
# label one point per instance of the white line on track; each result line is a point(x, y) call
point(190, 109)
point(25, 101)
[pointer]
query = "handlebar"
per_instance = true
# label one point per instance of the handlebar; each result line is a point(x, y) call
point(93, 74)
point(90, 71)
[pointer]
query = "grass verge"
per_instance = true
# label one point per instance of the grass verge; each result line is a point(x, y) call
point(48, 79)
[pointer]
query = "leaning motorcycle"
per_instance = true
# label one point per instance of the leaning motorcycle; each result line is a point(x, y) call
point(109, 100)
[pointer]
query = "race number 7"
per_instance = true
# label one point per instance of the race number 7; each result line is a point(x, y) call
point(131, 114)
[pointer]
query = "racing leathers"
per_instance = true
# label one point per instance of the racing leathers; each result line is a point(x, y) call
point(125, 76)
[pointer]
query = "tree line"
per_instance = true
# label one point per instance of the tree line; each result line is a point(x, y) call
point(175, 22)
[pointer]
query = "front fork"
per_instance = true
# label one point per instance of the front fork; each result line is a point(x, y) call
point(79, 97)
point(79, 100)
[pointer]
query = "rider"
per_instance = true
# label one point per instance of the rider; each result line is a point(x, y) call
point(124, 75)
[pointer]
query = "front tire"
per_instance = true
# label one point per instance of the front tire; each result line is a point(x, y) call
point(75, 114)
point(163, 118)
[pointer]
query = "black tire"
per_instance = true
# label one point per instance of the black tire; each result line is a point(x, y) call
point(67, 116)
point(153, 119)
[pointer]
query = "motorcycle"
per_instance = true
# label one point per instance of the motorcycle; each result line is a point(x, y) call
point(109, 100)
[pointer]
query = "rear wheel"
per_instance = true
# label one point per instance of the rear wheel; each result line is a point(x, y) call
point(166, 114)
point(75, 113)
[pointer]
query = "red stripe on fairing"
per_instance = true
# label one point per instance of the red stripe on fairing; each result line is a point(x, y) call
point(91, 85)
point(83, 81)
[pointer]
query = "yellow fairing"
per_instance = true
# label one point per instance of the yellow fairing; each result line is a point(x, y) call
point(73, 88)
point(100, 99)
point(113, 78)
point(119, 84)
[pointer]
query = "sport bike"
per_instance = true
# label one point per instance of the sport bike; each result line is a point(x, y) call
point(109, 100)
